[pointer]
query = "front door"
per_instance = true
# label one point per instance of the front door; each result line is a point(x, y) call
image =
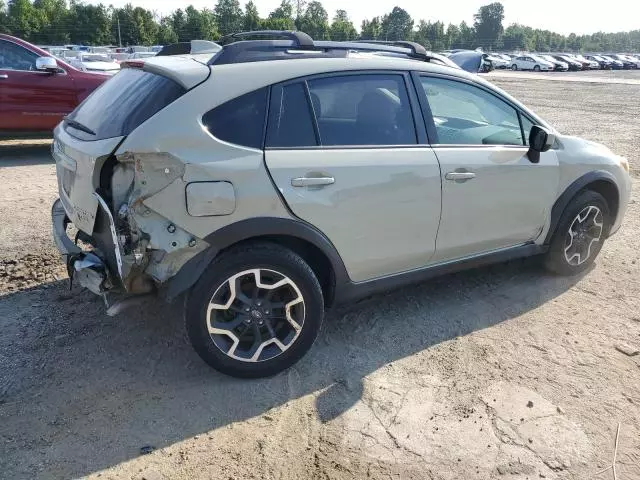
point(348, 158)
point(493, 197)
point(31, 100)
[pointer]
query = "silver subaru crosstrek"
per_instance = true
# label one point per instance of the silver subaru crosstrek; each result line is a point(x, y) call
point(268, 179)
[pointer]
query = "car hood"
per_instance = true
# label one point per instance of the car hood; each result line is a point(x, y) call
point(572, 143)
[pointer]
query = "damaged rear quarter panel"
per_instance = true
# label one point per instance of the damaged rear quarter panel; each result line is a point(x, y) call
point(187, 153)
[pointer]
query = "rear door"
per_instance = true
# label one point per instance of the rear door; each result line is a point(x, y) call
point(493, 197)
point(31, 100)
point(348, 157)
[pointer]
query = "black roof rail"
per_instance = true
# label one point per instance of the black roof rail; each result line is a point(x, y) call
point(301, 39)
point(416, 49)
point(251, 50)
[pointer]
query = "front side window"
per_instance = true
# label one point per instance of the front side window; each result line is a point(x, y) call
point(15, 57)
point(467, 115)
point(239, 121)
point(526, 128)
point(361, 110)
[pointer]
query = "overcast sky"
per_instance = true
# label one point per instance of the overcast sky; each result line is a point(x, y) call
point(562, 16)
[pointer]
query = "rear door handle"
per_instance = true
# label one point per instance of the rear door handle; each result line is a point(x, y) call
point(312, 181)
point(3, 76)
point(460, 176)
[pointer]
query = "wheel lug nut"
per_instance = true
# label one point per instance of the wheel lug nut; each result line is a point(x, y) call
point(247, 309)
point(267, 312)
point(259, 304)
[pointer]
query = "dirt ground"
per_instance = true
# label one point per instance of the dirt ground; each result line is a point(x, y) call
point(505, 372)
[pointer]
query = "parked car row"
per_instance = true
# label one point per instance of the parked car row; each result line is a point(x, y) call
point(547, 62)
point(104, 59)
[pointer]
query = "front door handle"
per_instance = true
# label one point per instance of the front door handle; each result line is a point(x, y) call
point(312, 181)
point(3, 76)
point(460, 176)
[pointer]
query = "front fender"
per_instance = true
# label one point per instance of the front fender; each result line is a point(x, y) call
point(571, 191)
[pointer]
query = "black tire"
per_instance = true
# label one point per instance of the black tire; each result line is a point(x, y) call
point(536, 68)
point(514, 67)
point(271, 257)
point(555, 259)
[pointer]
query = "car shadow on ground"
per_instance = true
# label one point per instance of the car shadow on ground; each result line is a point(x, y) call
point(22, 154)
point(102, 387)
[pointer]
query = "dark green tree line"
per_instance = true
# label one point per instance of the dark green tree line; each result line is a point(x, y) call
point(62, 21)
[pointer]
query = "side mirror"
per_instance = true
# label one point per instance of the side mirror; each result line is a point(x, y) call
point(540, 140)
point(47, 64)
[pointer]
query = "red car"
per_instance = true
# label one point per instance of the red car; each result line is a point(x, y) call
point(36, 89)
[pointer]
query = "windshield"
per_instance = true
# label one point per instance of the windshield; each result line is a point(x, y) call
point(121, 104)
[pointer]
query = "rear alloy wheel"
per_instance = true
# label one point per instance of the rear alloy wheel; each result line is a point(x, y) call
point(514, 67)
point(255, 315)
point(536, 68)
point(255, 311)
point(580, 235)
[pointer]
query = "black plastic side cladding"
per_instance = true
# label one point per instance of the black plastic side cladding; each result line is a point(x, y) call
point(571, 191)
point(257, 228)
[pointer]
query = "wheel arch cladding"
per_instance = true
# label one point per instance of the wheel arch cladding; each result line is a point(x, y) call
point(599, 181)
point(298, 236)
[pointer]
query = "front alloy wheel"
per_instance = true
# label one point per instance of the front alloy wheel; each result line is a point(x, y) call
point(580, 234)
point(255, 311)
point(584, 232)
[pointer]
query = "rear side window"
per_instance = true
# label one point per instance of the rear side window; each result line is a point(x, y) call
point(290, 118)
point(239, 121)
point(361, 110)
point(121, 104)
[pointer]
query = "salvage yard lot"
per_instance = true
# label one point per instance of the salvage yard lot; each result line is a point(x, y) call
point(503, 372)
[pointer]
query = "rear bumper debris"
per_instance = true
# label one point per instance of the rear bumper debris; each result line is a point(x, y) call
point(84, 268)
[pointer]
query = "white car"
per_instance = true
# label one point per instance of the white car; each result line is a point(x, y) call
point(95, 62)
point(558, 64)
point(498, 61)
point(531, 62)
point(269, 180)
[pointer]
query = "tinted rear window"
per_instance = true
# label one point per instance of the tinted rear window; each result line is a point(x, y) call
point(123, 103)
point(239, 121)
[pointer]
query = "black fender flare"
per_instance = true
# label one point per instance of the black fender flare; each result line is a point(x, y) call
point(571, 191)
point(248, 229)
